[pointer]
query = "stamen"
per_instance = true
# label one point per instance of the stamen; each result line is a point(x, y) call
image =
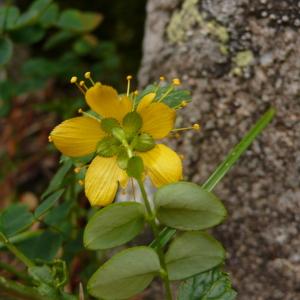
point(170, 89)
point(129, 77)
point(80, 111)
point(162, 78)
point(183, 103)
point(135, 93)
point(81, 182)
point(176, 81)
point(74, 80)
point(195, 126)
point(181, 156)
point(50, 139)
point(88, 76)
point(83, 85)
point(77, 170)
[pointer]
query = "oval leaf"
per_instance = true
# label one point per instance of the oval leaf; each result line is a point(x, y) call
point(125, 274)
point(187, 206)
point(15, 218)
point(193, 253)
point(114, 225)
point(6, 49)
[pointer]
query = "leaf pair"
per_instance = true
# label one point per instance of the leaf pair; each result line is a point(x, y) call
point(132, 270)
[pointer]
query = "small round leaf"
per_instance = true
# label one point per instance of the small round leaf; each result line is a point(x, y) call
point(193, 253)
point(187, 206)
point(125, 274)
point(114, 225)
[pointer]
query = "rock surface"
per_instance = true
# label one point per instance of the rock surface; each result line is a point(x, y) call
point(239, 57)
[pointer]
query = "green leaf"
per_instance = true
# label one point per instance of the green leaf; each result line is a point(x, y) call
point(6, 50)
point(135, 167)
point(50, 16)
point(114, 225)
point(14, 219)
point(44, 246)
point(8, 17)
point(210, 285)
point(48, 203)
point(233, 156)
point(7, 91)
point(34, 12)
point(56, 181)
point(57, 39)
point(41, 274)
point(186, 206)
point(75, 20)
point(28, 35)
point(125, 274)
point(192, 253)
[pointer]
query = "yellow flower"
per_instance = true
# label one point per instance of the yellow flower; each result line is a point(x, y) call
point(122, 131)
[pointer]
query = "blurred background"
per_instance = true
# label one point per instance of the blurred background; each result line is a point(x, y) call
point(42, 44)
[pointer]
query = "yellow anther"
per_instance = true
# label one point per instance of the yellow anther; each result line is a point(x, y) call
point(81, 182)
point(77, 170)
point(80, 111)
point(162, 78)
point(136, 92)
point(83, 85)
point(183, 103)
point(50, 139)
point(176, 81)
point(87, 75)
point(181, 156)
point(73, 79)
point(129, 77)
point(196, 126)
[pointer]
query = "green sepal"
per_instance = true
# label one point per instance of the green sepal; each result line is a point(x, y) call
point(108, 124)
point(143, 142)
point(119, 134)
point(135, 167)
point(132, 123)
point(108, 146)
point(122, 159)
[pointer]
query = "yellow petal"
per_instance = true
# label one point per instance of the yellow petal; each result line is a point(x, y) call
point(158, 119)
point(145, 101)
point(101, 180)
point(105, 101)
point(77, 136)
point(162, 164)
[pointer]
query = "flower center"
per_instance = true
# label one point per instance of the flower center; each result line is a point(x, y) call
point(123, 140)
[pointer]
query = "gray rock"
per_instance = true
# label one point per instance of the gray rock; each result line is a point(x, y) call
point(262, 193)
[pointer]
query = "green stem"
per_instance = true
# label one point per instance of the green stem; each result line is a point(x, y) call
point(18, 291)
point(167, 233)
point(155, 229)
point(13, 249)
point(13, 271)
